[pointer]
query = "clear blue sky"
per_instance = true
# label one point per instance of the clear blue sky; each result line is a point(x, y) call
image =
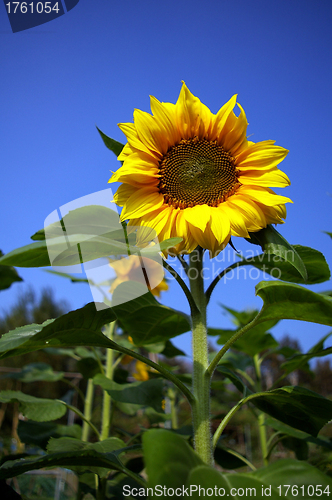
point(102, 59)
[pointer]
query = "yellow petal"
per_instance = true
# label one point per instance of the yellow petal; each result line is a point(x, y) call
point(134, 141)
point(219, 120)
point(136, 176)
point(272, 178)
point(189, 114)
point(252, 214)
point(263, 155)
point(198, 216)
point(141, 202)
point(220, 224)
point(151, 132)
point(123, 194)
point(152, 224)
point(127, 150)
point(235, 137)
point(166, 116)
point(263, 195)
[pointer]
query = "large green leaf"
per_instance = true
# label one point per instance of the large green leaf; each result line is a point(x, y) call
point(8, 276)
point(209, 480)
point(317, 269)
point(168, 458)
point(295, 433)
point(115, 146)
point(77, 328)
point(67, 444)
point(294, 406)
point(144, 318)
point(170, 462)
point(33, 255)
point(36, 372)
point(273, 243)
point(148, 393)
point(305, 479)
point(288, 301)
point(39, 433)
point(86, 459)
point(38, 409)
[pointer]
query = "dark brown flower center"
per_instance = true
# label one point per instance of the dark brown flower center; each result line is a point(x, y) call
point(197, 172)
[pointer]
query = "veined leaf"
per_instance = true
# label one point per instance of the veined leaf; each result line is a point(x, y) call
point(288, 301)
point(77, 328)
point(317, 269)
point(39, 433)
point(148, 393)
point(68, 444)
point(273, 243)
point(286, 429)
point(172, 463)
point(86, 459)
point(36, 372)
point(37, 409)
point(295, 406)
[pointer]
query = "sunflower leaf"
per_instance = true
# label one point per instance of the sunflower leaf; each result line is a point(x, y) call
point(288, 301)
point(317, 268)
point(77, 328)
point(85, 458)
point(39, 433)
point(115, 146)
point(8, 275)
point(272, 242)
point(147, 393)
point(37, 409)
point(295, 406)
point(290, 431)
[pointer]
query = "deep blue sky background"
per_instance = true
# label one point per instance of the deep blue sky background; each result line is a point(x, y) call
point(101, 60)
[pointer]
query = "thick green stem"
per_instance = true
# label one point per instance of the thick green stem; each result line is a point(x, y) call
point(87, 410)
point(201, 380)
point(174, 417)
point(106, 414)
point(261, 416)
point(262, 437)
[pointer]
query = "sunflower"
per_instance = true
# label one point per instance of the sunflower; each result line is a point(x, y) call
point(130, 269)
point(190, 173)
